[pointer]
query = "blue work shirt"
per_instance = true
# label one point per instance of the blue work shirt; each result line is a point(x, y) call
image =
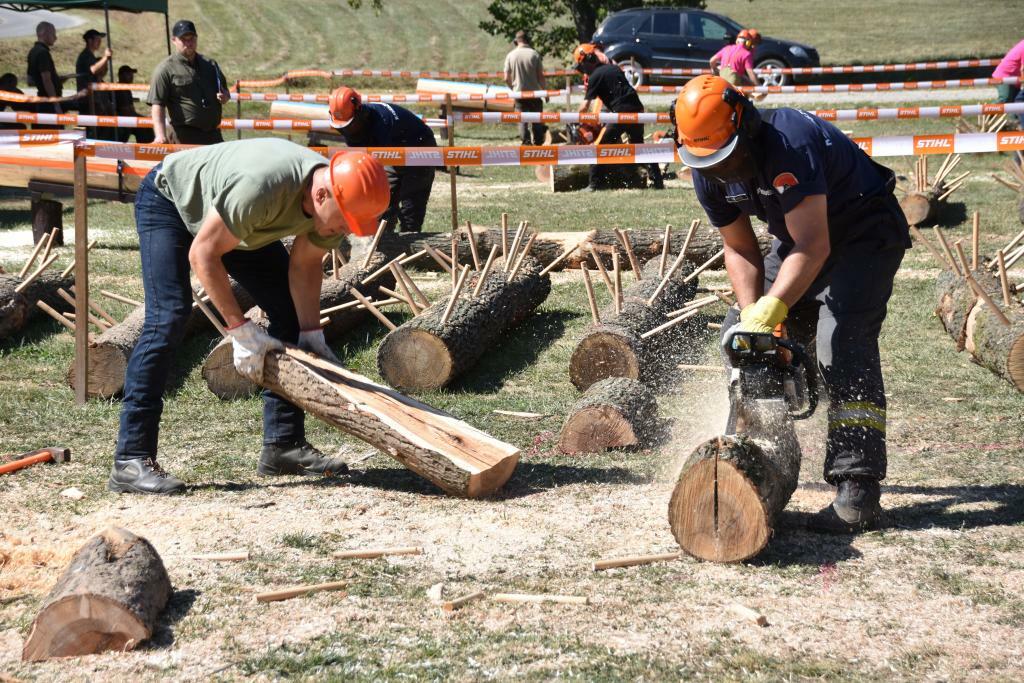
point(391, 126)
point(800, 155)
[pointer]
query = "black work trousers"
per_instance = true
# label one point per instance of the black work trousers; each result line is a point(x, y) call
point(840, 317)
point(190, 135)
point(634, 134)
point(531, 133)
point(410, 193)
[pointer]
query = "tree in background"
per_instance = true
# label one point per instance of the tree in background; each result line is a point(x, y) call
point(543, 19)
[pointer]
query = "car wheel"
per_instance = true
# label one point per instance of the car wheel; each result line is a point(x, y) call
point(776, 75)
point(633, 70)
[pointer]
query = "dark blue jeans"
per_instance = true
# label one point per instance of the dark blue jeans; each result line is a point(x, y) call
point(164, 242)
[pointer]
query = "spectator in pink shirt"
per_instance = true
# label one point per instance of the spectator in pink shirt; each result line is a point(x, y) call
point(738, 59)
point(1012, 66)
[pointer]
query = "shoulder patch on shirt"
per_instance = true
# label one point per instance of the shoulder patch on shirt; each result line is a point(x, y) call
point(784, 181)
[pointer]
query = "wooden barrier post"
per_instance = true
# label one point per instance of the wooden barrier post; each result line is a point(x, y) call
point(450, 126)
point(81, 278)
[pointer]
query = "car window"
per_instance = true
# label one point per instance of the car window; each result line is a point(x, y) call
point(618, 23)
point(644, 26)
point(666, 23)
point(705, 27)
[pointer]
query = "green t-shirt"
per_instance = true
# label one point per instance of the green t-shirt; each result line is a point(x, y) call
point(255, 185)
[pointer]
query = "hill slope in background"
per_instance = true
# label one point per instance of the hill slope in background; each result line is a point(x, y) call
point(260, 39)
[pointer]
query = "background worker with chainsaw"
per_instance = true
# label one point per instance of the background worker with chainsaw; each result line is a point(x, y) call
point(839, 238)
point(735, 63)
point(607, 83)
point(375, 124)
point(524, 70)
point(223, 210)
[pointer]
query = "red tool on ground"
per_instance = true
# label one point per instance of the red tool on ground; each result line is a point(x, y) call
point(53, 454)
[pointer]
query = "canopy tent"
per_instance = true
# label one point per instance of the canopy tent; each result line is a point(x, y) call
point(159, 6)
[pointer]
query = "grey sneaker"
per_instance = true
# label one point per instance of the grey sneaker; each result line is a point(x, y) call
point(856, 508)
point(300, 458)
point(142, 475)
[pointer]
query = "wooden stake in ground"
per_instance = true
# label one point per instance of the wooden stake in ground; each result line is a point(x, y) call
point(373, 309)
point(454, 297)
point(975, 240)
point(472, 246)
point(919, 236)
point(604, 273)
point(628, 247)
point(617, 283)
point(482, 278)
point(381, 229)
point(664, 251)
point(504, 236)
point(978, 289)
point(946, 250)
point(108, 598)
point(1004, 281)
point(613, 413)
point(594, 315)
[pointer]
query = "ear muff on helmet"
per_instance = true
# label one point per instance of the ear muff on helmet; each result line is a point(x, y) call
point(746, 119)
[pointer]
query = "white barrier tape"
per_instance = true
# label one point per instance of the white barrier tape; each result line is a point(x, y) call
point(146, 122)
point(851, 87)
point(398, 98)
point(862, 69)
point(961, 143)
point(34, 138)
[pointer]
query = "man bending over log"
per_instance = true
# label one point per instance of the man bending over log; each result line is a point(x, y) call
point(223, 209)
point(839, 239)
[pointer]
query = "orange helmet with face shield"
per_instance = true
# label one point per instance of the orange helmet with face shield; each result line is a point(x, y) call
point(359, 185)
point(343, 104)
point(707, 119)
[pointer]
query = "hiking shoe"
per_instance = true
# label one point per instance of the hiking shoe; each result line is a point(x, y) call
point(142, 475)
point(856, 508)
point(300, 459)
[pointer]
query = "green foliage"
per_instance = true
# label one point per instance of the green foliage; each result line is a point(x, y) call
point(544, 19)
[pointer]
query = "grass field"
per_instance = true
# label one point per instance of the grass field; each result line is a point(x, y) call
point(935, 595)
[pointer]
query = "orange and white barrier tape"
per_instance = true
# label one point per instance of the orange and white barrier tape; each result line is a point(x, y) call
point(35, 138)
point(852, 87)
point(397, 98)
point(862, 69)
point(960, 143)
point(146, 122)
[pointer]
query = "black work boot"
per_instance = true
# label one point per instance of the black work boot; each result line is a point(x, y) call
point(856, 508)
point(298, 458)
point(142, 475)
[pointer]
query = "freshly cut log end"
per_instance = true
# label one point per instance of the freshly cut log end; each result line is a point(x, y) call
point(956, 299)
point(917, 207)
point(455, 456)
point(416, 359)
point(607, 351)
point(108, 598)
point(728, 496)
point(613, 413)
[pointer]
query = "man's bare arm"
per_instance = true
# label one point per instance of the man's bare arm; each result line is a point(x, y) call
point(210, 244)
point(159, 125)
point(305, 275)
point(808, 226)
point(743, 260)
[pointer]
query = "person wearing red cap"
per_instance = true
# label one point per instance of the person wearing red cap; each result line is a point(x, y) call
point(222, 210)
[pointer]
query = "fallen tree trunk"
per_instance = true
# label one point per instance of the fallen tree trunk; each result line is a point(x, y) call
point(729, 495)
point(219, 368)
point(458, 458)
point(108, 598)
point(615, 348)
point(109, 352)
point(18, 308)
point(424, 353)
point(975, 328)
point(613, 413)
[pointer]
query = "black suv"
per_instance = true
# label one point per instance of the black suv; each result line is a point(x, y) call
point(662, 37)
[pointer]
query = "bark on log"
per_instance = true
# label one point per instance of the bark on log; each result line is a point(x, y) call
point(613, 413)
point(549, 245)
point(109, 352)
point(615, 347)
point(453, 455)
point(18, 308)
point(47, 214)
point(423, 354)
point(219, 368)
point(729, 495)
point(976, 329)
point(108, 598)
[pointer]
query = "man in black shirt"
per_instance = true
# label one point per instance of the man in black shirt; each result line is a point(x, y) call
point(91, 69)
point(606, 82)
point(124, 105)
point(41, 71)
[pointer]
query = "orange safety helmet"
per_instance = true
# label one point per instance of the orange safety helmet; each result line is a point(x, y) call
point(708, 114)
point(343, 104)
point(583, 52)
point(360, 186)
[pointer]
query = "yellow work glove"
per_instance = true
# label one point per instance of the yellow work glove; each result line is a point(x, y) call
point(763, 315)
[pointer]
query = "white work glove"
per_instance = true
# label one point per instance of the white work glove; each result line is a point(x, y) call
point(314, 342)
point(249, 346)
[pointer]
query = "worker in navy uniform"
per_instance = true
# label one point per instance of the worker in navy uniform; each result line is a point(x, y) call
point(839, 237)
point(374, 124)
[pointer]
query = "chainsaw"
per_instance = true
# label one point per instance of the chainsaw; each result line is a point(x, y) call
point(771, 384)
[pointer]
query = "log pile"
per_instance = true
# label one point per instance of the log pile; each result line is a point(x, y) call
point(109, 598)
point(613, 413)
point(218, 369)
point(447, 338)
point(20, 293)
point(920, 202)
point(458, 458)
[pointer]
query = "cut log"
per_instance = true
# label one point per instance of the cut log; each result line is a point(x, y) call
point(975, 328)
point(647, 245)
point(456, 457)
point(47, 214)
point(424, 353)
point(615, 348)
point(918, 207)
point(108, 598)
point(613, 413)
point(110, 351)
point(729, 495)
point(219, 368)
point(17, 309)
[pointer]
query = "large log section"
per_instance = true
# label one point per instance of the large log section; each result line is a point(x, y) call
point(458, 458)
point(549, 245)
point(975, 328)
point(109, 352)
point(613, 413)
point(424, 354)
point(18, 308)
point(615, 347)
point(219, 368)
point(108, 598)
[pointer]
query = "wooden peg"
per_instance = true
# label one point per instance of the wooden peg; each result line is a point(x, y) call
point(595, 316)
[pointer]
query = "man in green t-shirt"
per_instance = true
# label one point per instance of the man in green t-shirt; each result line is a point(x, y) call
point(223, 210)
